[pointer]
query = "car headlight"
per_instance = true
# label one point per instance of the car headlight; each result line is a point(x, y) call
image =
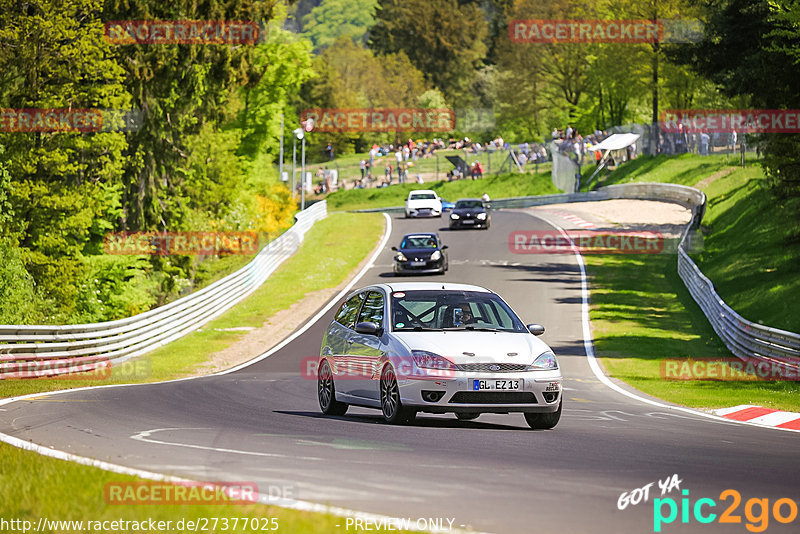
point(546, 360)
point(481, 216)
point(429, 360)
point(436, 256)
point(454, 216)
point(401, 257)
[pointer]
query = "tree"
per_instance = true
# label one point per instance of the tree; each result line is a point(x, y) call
point(64, 185)
point(351, 76)
point(751, 49)
point(444, 40)
point(339, 18)
point(178, 87)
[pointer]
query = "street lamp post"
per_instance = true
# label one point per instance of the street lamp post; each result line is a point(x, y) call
point(298, 134)
point(294, 164)
point(303, 178)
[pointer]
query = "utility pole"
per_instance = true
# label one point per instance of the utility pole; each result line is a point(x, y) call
point(303, 178)
point(294, 162)
point(280, 161)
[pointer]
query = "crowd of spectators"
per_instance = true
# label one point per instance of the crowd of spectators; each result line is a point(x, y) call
point(388, 163)
point(571, 143)
point(695, 141)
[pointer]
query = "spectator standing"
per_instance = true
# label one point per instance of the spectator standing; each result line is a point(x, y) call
point(704, 139)
point(373, 152)
point(363, 166)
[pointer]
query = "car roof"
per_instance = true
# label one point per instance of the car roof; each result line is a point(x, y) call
point(433, 286)
point(421, 234)
point(422, 191)
point(421, 286)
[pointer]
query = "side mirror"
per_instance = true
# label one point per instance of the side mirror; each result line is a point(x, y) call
point(535, 329)
point(394, 248)
point(368, 328)
point(443, 247)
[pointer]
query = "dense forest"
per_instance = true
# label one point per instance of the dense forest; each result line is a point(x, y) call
point(203, 152)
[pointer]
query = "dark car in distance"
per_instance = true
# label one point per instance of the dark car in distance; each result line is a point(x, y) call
point(470, 213)
point(420, 253)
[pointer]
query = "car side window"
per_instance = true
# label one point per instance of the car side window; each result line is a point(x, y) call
point(346, 315)
point(373, 309)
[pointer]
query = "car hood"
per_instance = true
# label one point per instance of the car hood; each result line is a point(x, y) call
point(468, 211)
point(487, 347)
point(423, 203)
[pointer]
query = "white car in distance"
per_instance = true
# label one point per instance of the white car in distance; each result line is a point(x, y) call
point(423, 203)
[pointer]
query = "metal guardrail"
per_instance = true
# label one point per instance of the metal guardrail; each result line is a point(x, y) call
point(42, 350)
point(745, 339)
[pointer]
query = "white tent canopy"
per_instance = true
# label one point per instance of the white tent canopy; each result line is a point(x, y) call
point(616, 142)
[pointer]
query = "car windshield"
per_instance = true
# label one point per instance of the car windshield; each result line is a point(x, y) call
point(469, 204)
point(418, 241)
point(422, 196)
point(452, 310)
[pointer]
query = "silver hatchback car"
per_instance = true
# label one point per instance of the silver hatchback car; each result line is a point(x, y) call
point(440, 348)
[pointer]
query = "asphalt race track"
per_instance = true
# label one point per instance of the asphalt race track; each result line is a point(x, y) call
point(262, 424)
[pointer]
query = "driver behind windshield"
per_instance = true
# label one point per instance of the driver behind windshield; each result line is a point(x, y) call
point(462, 314)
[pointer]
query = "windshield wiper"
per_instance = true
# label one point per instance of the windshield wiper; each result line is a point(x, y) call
point(420, 329)
point(474, 328)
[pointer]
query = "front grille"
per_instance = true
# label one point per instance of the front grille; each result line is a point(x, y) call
point(493, 397)
point(503, 367)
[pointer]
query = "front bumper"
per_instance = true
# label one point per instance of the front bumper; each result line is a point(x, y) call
point(430, 266)
point(540, 392)
point(475, 223)
point(423, 212)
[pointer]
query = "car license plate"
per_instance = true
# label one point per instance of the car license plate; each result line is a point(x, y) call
point(468, 221)
point(416, 263)
point(502, 385)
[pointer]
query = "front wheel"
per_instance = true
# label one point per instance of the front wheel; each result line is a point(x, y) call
point(393, 410)
point(326, 392)
point(544, 421)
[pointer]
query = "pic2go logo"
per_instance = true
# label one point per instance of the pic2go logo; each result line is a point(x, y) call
point(756, 511)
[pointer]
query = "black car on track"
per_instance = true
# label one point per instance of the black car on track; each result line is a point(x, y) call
point(470, 213)
point(420, 253)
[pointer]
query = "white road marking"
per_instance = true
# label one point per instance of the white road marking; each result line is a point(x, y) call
point(145, 436)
